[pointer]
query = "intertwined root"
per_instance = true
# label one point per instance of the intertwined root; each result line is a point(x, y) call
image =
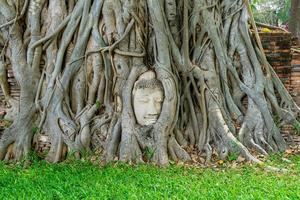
point(93, 51)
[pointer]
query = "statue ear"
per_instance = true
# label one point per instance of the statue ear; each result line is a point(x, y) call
point(134, 88)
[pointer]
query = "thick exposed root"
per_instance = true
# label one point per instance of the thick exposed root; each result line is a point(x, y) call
point(92, 54)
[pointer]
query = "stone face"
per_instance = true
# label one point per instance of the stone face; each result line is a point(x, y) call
point(148, 96)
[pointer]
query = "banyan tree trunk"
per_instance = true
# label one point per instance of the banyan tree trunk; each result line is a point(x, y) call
point(141, 80)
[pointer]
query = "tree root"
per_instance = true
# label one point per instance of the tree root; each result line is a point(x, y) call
point(93, 52)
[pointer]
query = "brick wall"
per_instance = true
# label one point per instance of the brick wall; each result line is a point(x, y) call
point(295, 73)
point(277, 48)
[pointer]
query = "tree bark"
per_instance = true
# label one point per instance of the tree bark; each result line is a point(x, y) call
point(78, 64)
point(294, 23)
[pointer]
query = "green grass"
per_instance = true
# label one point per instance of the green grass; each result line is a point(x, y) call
point(82, 180)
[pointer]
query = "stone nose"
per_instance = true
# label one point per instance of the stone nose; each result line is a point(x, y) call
point(152, 108)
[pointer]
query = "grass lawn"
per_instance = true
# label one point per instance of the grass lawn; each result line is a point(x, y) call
point(82, 180)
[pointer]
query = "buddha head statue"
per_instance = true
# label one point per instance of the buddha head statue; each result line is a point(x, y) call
point(148, 96)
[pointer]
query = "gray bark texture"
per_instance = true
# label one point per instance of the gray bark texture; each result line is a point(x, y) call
point(294, 22)
point(77, 62)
